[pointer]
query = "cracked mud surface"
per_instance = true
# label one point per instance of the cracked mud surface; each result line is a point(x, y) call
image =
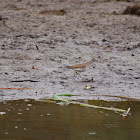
point(53, 34)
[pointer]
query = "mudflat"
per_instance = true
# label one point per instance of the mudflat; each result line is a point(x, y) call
point(39, 39)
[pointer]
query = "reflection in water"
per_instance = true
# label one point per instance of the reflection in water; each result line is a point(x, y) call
point(31, 120)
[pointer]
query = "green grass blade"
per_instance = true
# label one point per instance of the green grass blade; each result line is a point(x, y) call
point(56, 97)
point(66, 95)
point(107, 108)
point(117, 110)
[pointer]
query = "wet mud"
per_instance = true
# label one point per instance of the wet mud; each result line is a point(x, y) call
point(39, 39)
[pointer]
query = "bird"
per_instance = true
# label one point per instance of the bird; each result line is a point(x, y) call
point(80, 67)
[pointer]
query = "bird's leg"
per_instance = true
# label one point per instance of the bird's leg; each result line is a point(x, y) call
point(81, 77)
point(76, 71)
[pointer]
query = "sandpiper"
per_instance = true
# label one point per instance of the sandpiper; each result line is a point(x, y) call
point(80, 67)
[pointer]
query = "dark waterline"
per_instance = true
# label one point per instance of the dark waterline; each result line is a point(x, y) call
point(32, 120)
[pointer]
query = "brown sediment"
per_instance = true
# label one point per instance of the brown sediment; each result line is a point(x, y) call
point(132, 10)
point(54, 12)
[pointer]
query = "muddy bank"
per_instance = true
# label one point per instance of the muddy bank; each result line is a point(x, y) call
point(54, 34)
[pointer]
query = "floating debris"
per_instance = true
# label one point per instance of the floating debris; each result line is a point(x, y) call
point(2, 113)
point(116, 110)
point(64, 102)
point(92, 133)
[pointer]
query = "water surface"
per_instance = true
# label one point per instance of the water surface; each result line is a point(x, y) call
point(32, 120)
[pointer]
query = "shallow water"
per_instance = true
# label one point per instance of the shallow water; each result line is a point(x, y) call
point(32, 120)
